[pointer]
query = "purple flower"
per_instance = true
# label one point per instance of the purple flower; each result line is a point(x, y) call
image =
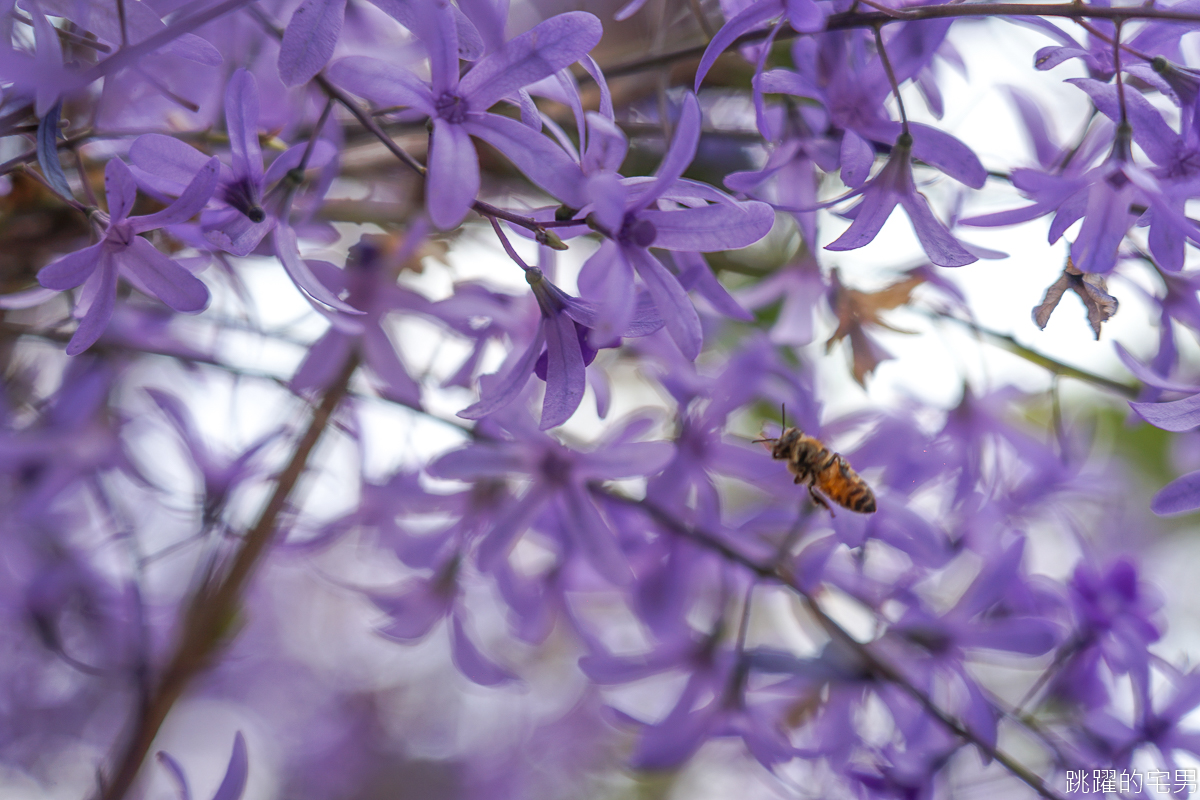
point(891, 187)
point(667, 213)
point(241, 216)
point(219, 476)
point(122, 251)
point(559, 478)
point(1114, 626)
point(559, 354)
point(714, 702)
point(458, 107)
point(369, 283)
point(417, 605)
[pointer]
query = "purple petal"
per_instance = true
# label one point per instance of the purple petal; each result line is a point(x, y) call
point(194, 198)
point(711, 228)
point(172, 766)
point(632, 459)
point(433, 21)
point(161, 277)
point(1147, 376)
point(103, 283)
point(234, 782)
point(288, 252)
point(26, 298)
point(948, 154)
point(1035, 125)
point(941, 247)
point(323, 362)
point(1176, 416)
point(308, 42)
point(511, 524)
point(1029, 636)
point(678, 313)
point(413, 611)
point(566, 377)
point(395, 382)
point(382, 83)
point(453, 180)
point(1105, 223)
point(607, 145)
point(540, 159)
point(168, 159)
point(745, 21)
point(72, 269)
point(856, 158)
point(471, 662)
point(232, 231)
point(870, 215)
point(805, 16)
point(541, 51)
point(241, 122)
point(1179, 496)
point(594, 538)
point(694, 273)
point(679, 154)
point(479, 461)
point(120, 189)
point(606, 278)
point(504, 391)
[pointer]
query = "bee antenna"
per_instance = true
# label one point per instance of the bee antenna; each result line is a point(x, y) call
point(783, 415)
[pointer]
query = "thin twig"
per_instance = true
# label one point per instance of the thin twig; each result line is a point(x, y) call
point(874, 663)
point(210, 619)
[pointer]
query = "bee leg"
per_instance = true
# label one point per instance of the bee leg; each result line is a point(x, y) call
point(812, 492)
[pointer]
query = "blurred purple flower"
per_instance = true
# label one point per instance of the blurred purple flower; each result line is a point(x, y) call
point(122, 251)
point(418, 604)
point(369, 285)
point(219, 476)
point(559, 478)
point(714, 702)
point(1114, 627)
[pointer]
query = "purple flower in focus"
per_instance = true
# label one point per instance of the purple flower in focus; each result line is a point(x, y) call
point(241, 216)
point(893, 186)
point(458, 106)
point(667, 213)
point(122, 251)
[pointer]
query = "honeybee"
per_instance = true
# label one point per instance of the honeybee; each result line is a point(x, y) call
point(821, 468)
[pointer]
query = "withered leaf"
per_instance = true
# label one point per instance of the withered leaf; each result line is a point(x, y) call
point(858, 311)
point(1091, 288)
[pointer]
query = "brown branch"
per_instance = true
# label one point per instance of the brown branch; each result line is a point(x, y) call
point(209, 622)
point(856, 19)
